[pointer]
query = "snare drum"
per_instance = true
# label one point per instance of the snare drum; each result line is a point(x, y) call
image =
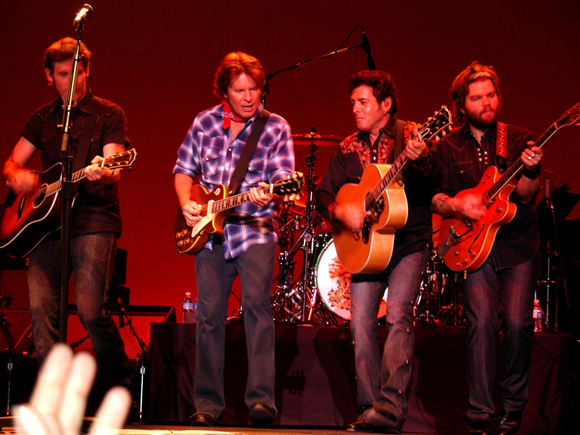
point(333, 282)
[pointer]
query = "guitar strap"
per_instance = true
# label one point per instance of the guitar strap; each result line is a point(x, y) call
point(399, 139)
point(248, 152)
point(501, 146)
point(80, 159)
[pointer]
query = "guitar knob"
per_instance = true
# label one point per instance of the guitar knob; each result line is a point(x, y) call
point(464, 261)
point(456, 253)
point(187, 241)
point(178, 235)
point(180, 243)
point(499, 209)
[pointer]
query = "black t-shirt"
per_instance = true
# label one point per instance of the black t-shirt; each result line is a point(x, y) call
point(96, 206)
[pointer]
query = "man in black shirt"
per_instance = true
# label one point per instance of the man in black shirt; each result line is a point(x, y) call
point(381, 384)
point(499, 295)
point(96, 219)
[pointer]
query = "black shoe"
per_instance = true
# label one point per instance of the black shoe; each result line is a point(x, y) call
point(360, 426)
point(203, 419)
point(262, 413)
point(481, 427)
point(508, 422)
point(381, 423)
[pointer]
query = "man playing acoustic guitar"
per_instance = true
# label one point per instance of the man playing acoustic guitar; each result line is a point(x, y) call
point(381, 384)
point(505, 282)
point(96, 219)
point(212, 148)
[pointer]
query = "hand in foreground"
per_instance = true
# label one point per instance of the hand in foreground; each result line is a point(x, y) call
point(58, 402)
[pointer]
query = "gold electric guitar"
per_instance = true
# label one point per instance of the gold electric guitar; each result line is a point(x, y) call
point(190, 240)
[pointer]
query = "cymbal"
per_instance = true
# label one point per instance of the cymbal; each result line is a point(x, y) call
point(319, 140)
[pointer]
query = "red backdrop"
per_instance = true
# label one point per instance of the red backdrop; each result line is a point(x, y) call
point(157, 59)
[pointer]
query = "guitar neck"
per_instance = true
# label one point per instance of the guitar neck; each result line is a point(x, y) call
point(517, 165)
point(57, 185)
point(386, 180)
point(230, 202)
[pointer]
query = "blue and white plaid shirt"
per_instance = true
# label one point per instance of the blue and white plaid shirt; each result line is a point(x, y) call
point(209, 150)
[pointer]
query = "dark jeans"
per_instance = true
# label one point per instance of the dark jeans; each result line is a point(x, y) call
point(382, 383)
point(493, 301)
point(215, 277)
point(92, 260)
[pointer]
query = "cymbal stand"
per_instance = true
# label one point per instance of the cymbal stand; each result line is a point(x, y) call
point(312, 309)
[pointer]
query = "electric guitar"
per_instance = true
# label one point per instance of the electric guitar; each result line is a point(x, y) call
point(383, 199)
point(26, 219)
point(191, 240)
point(465, 244)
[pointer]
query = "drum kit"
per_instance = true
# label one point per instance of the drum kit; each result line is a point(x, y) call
point(312, 286)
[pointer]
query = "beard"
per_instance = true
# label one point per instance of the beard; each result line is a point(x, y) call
point(482, 120)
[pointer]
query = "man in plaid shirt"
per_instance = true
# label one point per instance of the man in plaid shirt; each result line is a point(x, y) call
point(211, 149)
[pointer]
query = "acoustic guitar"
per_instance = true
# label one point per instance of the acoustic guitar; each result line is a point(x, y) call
point(383, 199)
point(26, 219)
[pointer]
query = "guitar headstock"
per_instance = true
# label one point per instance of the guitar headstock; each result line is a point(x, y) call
point(439, 123)
point(290, 186)
point(570, 117)
point(120, 160)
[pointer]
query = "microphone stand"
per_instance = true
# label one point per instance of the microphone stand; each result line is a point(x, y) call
point(67, 190)
point(304, 63)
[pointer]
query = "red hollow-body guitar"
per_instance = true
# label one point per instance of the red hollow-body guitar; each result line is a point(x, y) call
point(466, 244)
point(385, 205)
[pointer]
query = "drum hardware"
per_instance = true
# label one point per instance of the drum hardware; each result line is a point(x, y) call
point(428, 302)
point(452, 314)
point(297, 301)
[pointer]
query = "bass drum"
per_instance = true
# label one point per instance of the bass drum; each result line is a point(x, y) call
point(333, 281)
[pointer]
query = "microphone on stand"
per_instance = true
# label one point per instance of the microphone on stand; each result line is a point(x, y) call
point(367, 48)
point(83, 14)
point(547, 187)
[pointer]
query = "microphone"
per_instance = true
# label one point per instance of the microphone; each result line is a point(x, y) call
point(83, 14)
point(367, 48)
point(547, 186)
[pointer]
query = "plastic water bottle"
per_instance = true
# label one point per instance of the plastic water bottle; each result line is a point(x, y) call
point(188, 308)
point(538, 315)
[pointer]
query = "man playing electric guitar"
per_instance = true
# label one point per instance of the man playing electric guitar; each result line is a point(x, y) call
point(381, 384)
point(212, 148)
point(506, 281)
point(96, 219)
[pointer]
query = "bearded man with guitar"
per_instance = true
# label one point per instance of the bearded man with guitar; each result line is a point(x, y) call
point(99, 131)
point(499, 294)
point(217, 141)
point(379, 140)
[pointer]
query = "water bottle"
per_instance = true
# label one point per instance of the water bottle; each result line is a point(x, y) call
point(538, 316)
point(188, 308)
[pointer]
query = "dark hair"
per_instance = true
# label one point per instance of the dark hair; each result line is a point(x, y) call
point(64, 49)
point(380, 81)
point(231, 67)
point(460, 87)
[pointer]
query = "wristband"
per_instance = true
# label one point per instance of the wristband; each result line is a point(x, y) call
point(532, 175)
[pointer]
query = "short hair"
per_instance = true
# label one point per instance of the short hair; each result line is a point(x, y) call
point(460, 87)
point(381, 83)
point(231, 67)
point(64, 49)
